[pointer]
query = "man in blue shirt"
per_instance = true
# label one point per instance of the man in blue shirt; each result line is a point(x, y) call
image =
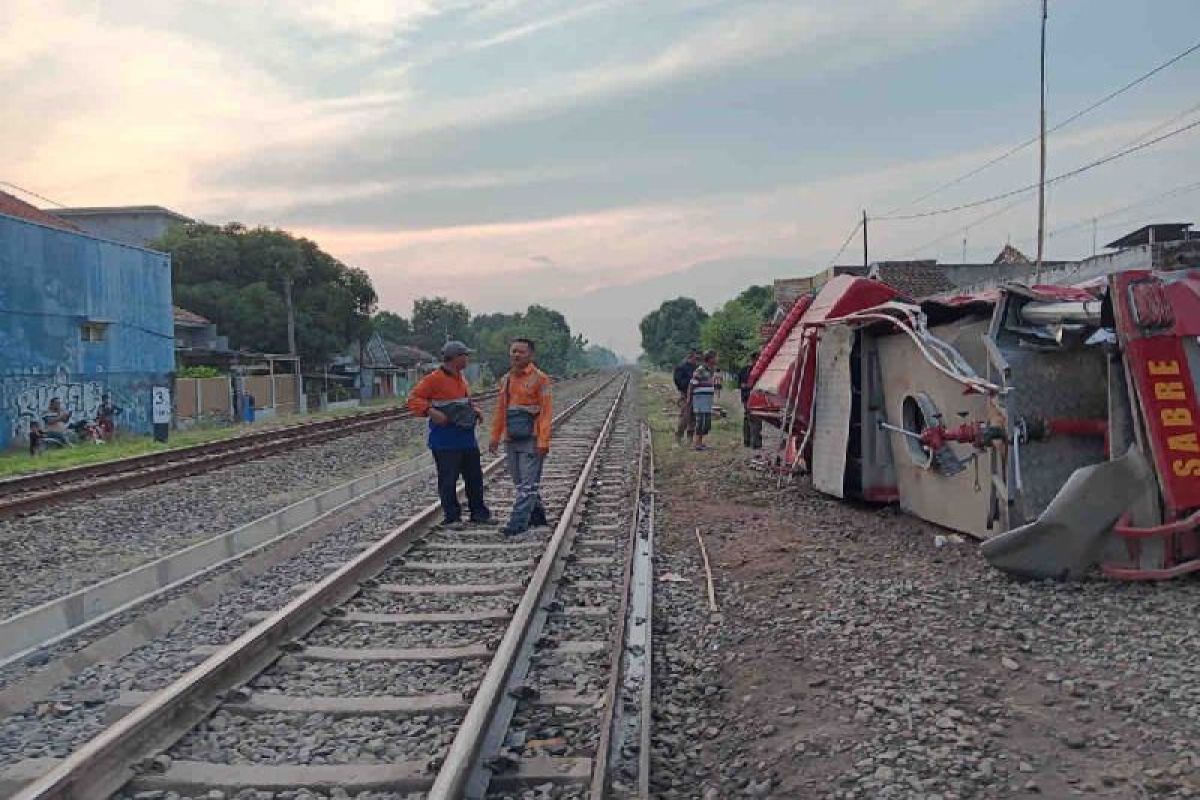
point(444, 397)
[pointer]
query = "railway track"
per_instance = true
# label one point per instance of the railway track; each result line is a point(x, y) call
point(29, 493)
point(438, 663)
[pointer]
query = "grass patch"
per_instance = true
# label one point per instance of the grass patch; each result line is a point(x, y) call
point(660, 409)
point(723, 471)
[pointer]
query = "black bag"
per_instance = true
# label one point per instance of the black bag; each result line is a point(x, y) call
point(518, 421)
point(461, 415)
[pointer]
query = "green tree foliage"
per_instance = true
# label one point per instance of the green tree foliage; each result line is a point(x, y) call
point(435, 320)
point(760, 300)
point(559, 351)
point(392, 327)
point(234, 276)
point(733, 332)
point(671, 329)
point(598, 357)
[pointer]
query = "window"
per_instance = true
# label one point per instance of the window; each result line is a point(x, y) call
point(93, 331)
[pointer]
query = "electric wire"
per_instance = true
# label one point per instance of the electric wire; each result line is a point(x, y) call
point(1059, 126)
point(1049, 181)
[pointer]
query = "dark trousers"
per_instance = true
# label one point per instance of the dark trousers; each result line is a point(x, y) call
point(452, 464)
point(751, 430)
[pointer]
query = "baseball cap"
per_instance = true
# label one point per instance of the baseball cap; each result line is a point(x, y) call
point(454, 348)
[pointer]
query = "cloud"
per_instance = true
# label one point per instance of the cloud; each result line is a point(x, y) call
point(97, 129)
point(376, 20)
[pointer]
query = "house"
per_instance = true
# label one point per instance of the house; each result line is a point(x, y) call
point(378, 376)
point(133, 225)
point(80, 317)
point(195, 334)
point(409, 357)
point(1158, 233)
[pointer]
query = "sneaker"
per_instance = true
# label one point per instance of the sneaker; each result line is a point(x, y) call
point(507, 531)
point(481, 520)
point(455, 524)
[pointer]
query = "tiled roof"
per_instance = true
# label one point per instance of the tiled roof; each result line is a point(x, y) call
point(1011, 255)
point(182, 315)
point(15, 207)
point(917, 279)
point(406, 355)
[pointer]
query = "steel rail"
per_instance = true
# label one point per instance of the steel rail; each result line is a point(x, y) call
point(466, 751)
point(51, 477)
point(45, 488)
point(108, 761)
point(637, 597)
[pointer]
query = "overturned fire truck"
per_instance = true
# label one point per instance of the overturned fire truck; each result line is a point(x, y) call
point(1058, 424)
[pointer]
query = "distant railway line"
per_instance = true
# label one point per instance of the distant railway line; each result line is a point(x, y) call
point(29, 493)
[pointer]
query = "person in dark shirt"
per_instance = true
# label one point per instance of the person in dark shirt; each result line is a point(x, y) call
point(751, 427)
point(683, 380)
point(106, 417)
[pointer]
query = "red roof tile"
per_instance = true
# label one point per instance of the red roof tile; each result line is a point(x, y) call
point(15, 207)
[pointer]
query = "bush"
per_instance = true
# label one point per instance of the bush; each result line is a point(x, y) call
point(198, 372)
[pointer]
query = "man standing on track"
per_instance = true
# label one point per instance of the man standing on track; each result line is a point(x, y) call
point(683, 380)
point(444, 397)
point(523, 421)
point(700, 397)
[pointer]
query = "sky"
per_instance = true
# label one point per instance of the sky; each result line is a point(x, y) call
point(601, 156)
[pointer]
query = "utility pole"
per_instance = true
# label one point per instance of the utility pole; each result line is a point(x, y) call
point(964, 258)
point(1093, 237)
point(1041, 234)
point(291, 335)
point(866, 261)
point(291, 314)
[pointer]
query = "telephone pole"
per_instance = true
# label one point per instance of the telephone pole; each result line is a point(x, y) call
point(866, 262)
point(1041, 233)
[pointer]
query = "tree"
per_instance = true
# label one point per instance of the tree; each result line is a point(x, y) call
point(760, 300)
point(733, 332)
point(392, 327)
point(436, 320)
point(671, 330)
point(598, 357)
point(559, 351)
point(240, 279)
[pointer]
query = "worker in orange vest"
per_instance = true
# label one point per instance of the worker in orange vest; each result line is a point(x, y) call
point(523, 421)
point(444, 396)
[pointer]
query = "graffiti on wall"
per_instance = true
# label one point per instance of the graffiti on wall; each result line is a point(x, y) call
point(24, 399)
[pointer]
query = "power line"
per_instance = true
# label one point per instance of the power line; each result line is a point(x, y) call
point(1056, 179)
point(845, 244)
point(1084, 222)
point(134, 235)
point(1018, 148)
point(969, 225)
point(1136, 140)
point(32, 193)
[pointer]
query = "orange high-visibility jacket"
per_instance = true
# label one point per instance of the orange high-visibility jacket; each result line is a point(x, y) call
point(528, 389)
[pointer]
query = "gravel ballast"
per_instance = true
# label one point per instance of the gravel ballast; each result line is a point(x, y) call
point(67, 547)
point(854, 657)
point(75, 711)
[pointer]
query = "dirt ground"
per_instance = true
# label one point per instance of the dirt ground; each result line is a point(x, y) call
point(852, 657)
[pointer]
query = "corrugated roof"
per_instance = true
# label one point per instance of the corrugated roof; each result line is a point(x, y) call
point(16, 207)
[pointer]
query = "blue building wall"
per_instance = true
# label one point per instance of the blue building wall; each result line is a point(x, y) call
point(51, 283)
